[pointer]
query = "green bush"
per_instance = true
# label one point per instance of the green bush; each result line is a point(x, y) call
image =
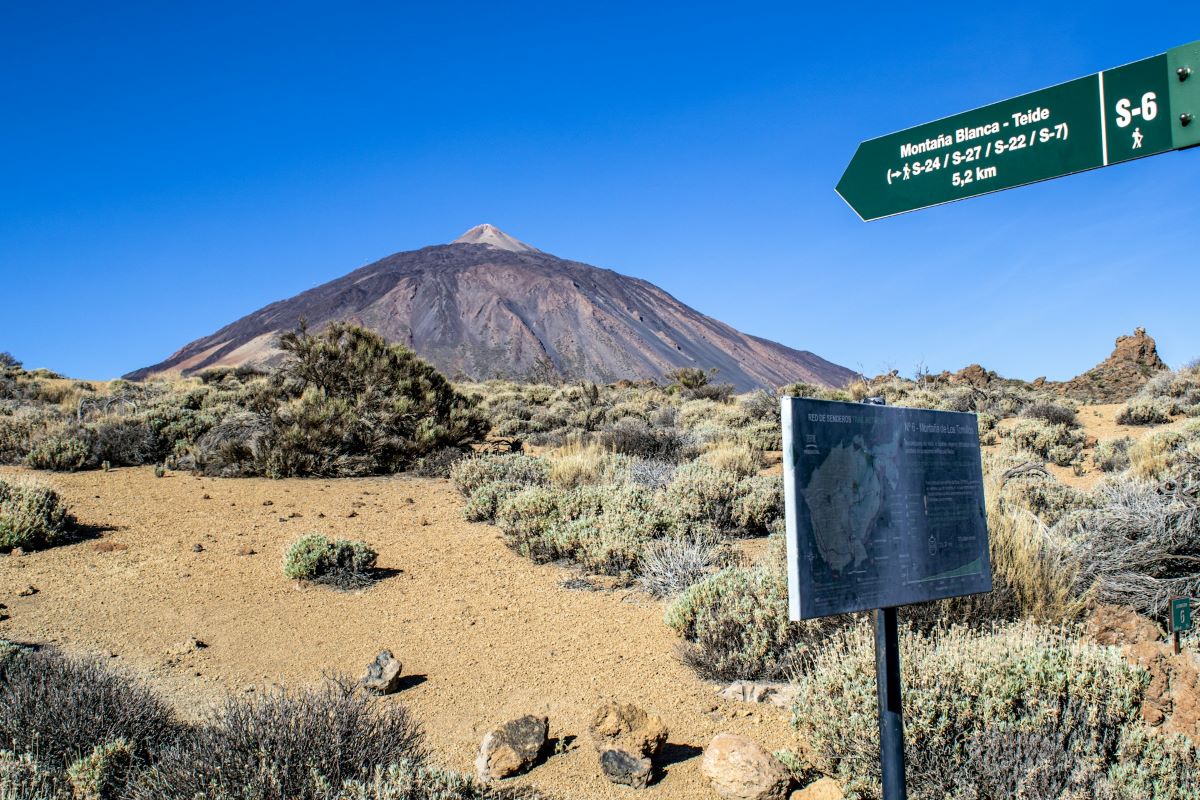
point(32, 516)
point(344, 564)
point(601, 528)
point(735, 623)
point(1058, 443)
point(1051, 413)
point(352, 404)
point(1019, 712)
point(1146, 411)
point(472, 473)
point(701, 493)
point(63, 450)
point(485, 501)
point(1046, 497)
point(759, 504)
point(1112, 455)
point(103, 774)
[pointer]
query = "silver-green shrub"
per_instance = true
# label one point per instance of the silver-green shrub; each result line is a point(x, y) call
point(1021, 711)
point(342, 563)
point(32, 516)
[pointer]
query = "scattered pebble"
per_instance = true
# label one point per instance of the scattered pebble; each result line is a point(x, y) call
point(268, 502)
point(206, 497)
point(352, 514)
point(197, 548)
point(246, 551)
point(28, 591)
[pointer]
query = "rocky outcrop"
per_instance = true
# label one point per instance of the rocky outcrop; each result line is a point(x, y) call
point(741, 769)
point(489, 306)
point(1134, 361)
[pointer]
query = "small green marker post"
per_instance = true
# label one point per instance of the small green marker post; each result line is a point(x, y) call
point(1181, 618)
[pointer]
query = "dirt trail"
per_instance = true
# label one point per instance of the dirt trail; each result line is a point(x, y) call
point(490, 635)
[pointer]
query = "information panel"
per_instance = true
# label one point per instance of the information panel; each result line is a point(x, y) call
point(884, 506)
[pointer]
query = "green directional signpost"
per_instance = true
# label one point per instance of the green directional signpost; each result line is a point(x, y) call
point(1140, 109)
point(1181, 618)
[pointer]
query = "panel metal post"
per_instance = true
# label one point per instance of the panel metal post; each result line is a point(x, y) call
point(891, 719)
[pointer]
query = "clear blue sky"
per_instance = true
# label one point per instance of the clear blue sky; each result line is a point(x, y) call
point(168, 167)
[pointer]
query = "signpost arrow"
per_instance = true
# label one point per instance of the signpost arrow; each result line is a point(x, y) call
point(1140, 109)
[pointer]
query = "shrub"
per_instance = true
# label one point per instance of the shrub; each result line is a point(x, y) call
point(670, 565)
point(124, 442)
point(102, 775)
point(470, 474)
point(410, 781)
point(759, 504)
point(352, 404)
point(1046, 497)
point(1057, 443)
point(1138, 547)
point(651, 474)
point(735, 623)
point(634, 437)
point(16, 434)
point(62, 708)
point(1047, 717)
point(287, 744)
point(607, 528)
point(1029, 561)
point(344, 564)
point(63, 450)
point(32, 516)
point(576, 465)
point(1052, 413)
point(22, 778)
point(1146, 411)
point(702, 493)
point(739, 460)
point(438, 463)
point(1170, 455)
point(1112, 455)
point(690, 377)
point(525, 517)
point(485, 501)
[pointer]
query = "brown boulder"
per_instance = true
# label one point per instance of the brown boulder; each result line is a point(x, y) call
point(741, 769)
point(823, 789)
point(511, 748)
point(624, 726)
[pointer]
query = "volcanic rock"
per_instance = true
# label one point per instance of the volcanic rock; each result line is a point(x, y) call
point(511, 748)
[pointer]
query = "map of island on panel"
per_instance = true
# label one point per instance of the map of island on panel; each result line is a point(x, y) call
point(884, 506)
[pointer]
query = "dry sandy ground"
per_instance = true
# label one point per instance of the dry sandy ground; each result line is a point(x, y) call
point(485, 635)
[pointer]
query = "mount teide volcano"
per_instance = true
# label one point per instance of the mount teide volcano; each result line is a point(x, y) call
point(488, 305)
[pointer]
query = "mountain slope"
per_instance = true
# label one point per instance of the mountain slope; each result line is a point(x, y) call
point(488, 305)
